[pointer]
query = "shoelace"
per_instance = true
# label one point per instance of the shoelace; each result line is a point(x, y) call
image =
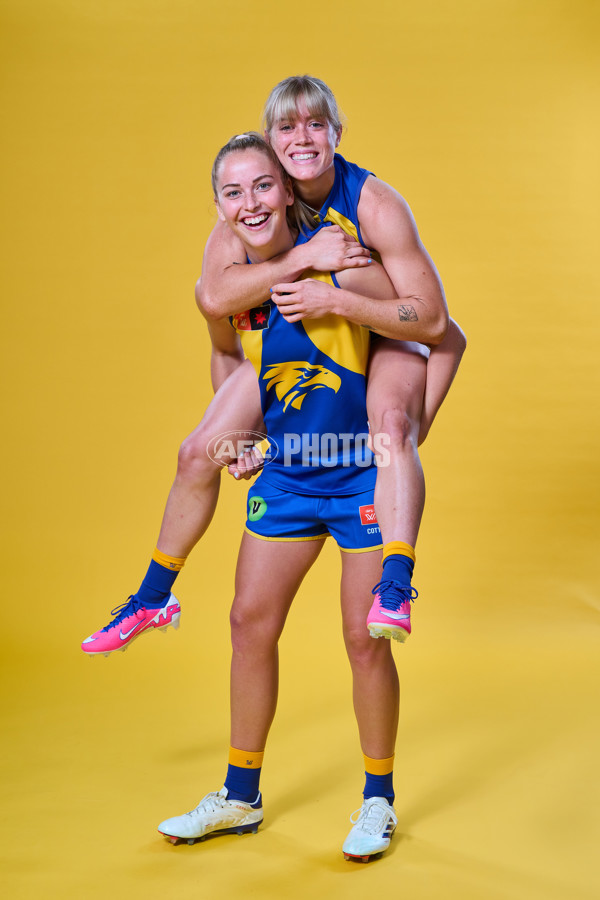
point(392, 595)
point(210, 803)
point(126, 609)
point(217, 800)
point(373, 817)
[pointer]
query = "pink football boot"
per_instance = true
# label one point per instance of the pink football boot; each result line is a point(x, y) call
point(131, 620)
point(389, 615)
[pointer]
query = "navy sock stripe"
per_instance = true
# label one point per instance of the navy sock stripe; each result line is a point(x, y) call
point(157, 584)
point(379, 786)
point(398, 568)
point(242, 784)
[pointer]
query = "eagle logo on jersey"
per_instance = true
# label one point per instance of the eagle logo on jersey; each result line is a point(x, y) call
point(294, 380)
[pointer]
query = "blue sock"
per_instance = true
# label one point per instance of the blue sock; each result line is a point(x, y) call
point(242, 784)
point(398, 568)
point(156, 586)
point(379, 786)
point(243, 775)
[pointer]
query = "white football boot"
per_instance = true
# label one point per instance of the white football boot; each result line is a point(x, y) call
point(215, 814)
point(375, 824)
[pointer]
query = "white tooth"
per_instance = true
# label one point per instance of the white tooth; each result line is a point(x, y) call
point(304, 155)
point(255, 220)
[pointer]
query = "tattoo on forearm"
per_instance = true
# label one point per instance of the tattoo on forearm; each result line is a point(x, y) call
point(407, 314)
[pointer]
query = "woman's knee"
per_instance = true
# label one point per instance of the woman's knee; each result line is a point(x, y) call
point(365, 652)
point(194, 460)
point(252, 628)
point(401, 428)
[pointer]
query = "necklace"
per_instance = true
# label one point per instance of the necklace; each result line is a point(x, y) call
point(312, 209)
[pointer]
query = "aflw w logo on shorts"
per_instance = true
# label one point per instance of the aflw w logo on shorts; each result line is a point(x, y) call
point(368, 516)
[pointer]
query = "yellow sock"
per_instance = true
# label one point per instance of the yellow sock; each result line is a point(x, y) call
point(399, 548)
point(379, 766)
point(246, 759)
point(173, 563)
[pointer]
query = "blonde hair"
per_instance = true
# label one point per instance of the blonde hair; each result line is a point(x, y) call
point(249, 140)
point(282, 105)
point(252, 140)
point(282, 102)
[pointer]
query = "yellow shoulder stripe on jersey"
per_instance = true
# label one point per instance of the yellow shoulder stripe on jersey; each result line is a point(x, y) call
point(348, 226)
point(345, 224)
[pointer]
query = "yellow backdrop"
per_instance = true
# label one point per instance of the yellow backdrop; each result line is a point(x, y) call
point(483, 113)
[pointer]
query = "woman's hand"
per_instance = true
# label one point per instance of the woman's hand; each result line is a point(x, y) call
point(332, 250)
point(247, 465)
point(306, 299)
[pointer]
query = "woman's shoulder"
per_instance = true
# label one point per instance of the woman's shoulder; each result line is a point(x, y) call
point(384, 215)
point(377, 195)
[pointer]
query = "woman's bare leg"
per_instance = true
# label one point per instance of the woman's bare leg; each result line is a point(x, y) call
point(258, 615)
point(396, 385)
point(190, 507)
point(375, 686)
point(193, 498)
point(442, 367)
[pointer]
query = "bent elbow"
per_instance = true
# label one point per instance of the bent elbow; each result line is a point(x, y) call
point(457, 337)
point(439, 330)
point(205, 304)
point(208, 309)
point(199, 295)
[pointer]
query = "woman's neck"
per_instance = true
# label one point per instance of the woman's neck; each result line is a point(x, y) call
point(283, 242)
point(315, 192)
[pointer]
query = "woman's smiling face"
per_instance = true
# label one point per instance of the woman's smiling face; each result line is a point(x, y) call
point(305, 144)
point(252, 199)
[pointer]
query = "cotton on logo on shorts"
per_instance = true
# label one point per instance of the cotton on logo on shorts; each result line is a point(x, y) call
point(368, 515)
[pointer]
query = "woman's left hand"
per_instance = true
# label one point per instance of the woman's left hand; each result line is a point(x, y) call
point(305, 299)
point(248, 465)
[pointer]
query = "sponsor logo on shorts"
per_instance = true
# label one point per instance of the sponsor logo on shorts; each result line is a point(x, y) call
point(368, 515)
point(256, 508)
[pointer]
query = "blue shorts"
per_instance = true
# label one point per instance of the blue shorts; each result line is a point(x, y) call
point(276, 515)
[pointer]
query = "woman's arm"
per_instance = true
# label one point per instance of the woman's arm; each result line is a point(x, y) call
point(229, 286)
point(418, 310)
point(226, 351)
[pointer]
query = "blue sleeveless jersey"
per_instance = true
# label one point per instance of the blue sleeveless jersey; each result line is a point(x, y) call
point(313, 393)
point(340, 207)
